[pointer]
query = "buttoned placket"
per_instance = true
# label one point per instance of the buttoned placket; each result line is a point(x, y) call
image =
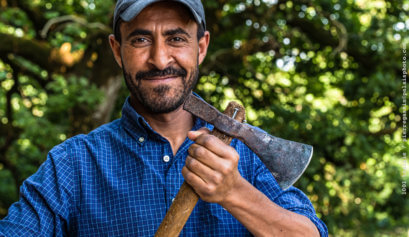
point(173, 176)
point(168, 161)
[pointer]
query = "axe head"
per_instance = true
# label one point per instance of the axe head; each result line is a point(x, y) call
point(286, 160)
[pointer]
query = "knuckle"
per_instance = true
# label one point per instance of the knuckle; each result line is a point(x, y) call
point(210, 189)
point(208, 140)
point(236, 158)
point(192, 149)
point(227, 168)
point(218, 178)
point(187, 161)
point(191, 163)
point(200, 152)
point(197, 151)
point(233, 154)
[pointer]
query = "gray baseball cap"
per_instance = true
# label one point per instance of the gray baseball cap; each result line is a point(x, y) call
point(128, 9)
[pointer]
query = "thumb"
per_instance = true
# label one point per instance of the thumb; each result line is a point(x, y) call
point(193, 135)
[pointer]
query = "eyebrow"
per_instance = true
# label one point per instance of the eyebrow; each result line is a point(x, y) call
point(166, 33)
point(176, 31)
point(139, 32)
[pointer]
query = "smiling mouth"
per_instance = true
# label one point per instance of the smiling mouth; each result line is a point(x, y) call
point(161, 78)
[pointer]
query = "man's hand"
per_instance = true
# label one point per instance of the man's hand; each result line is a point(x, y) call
point(211, 167)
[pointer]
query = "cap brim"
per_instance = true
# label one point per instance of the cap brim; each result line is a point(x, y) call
point(136, 8)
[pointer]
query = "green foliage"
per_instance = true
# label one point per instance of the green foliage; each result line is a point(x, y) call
point(345, 103)
point(322, 72)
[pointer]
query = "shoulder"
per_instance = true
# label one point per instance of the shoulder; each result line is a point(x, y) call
point(81, 142)
point(106, 130)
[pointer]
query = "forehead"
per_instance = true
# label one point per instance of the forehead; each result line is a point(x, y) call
point(165, 13)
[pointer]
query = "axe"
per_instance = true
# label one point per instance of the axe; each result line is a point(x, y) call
point(286, 160)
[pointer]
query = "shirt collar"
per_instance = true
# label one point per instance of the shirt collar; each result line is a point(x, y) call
point(133, 122)
point(137, 126)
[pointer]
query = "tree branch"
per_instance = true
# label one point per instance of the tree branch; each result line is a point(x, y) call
point(72, 19)
point(35, 51)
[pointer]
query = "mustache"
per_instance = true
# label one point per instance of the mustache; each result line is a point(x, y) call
point(169, 71)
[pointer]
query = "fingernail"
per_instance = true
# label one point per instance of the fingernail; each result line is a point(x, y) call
point(192, 134)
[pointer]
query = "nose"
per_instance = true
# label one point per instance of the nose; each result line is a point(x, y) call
point(160, 56)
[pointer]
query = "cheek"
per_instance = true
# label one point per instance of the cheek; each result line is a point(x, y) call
point(133, 59)
point(186, 58)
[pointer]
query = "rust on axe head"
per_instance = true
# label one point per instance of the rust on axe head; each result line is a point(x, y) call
point(286, 160)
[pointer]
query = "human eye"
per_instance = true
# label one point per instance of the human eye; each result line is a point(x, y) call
point(139, 41)
point(177, 39)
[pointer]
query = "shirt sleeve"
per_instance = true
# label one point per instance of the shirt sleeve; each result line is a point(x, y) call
point(291, 199)
point(43, 207)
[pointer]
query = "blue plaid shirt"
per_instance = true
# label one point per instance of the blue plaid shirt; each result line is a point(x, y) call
point(120, 179)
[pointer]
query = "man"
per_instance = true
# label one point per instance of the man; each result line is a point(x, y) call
point(120, 179)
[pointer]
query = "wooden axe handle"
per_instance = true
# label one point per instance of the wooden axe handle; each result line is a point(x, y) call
point(186, 199)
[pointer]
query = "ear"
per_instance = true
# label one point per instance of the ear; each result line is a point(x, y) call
point(116, 49)
point(203, 44)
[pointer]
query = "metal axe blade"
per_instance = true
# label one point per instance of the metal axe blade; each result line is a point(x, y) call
point(286, 160)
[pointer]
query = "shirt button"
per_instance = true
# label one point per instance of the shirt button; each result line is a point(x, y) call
point(166, 158)
point(141, 139)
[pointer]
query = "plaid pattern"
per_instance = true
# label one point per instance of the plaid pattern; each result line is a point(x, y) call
point(117, 181)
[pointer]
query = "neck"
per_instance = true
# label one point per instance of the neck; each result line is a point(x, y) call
point(173, 126)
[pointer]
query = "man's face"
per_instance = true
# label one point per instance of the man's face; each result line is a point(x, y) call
point(159, 55)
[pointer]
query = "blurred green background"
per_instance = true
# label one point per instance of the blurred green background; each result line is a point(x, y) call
point(323, 72)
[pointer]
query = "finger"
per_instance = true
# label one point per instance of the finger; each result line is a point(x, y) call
point(204, 130)
point(207, 174)
point(192, 135)
point(191, 178)
point(205, 156)
point(215, 145)
point(203, 189)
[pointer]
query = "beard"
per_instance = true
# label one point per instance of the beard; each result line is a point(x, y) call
point(162, 98)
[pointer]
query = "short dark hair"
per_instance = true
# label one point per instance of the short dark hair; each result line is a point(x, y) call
point(199, 34)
